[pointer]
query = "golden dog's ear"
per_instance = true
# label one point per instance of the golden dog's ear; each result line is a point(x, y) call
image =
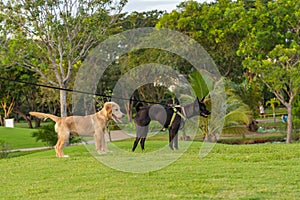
point(108, 108)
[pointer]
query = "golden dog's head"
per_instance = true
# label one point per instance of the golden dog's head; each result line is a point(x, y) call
point(113, 111)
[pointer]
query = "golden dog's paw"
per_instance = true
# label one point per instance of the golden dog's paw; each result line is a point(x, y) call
point(108, 151)
point(101, 152)
point(63, 156)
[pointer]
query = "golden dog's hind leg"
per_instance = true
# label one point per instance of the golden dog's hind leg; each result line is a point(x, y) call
point(60, 145)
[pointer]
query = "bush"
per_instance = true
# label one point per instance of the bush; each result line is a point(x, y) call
point(48, 135)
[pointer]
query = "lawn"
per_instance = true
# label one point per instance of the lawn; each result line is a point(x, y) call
point(267, 171)
point(17, 138)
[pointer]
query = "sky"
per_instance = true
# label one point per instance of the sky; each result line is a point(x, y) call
point(147, 5)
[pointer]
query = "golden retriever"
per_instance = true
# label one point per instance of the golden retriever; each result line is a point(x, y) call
point(94, 124)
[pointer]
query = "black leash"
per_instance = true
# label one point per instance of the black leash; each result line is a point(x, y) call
point(77, 91)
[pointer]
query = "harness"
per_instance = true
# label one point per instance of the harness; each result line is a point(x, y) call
point(177, 113)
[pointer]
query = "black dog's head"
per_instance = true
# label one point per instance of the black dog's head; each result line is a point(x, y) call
point(200, 108)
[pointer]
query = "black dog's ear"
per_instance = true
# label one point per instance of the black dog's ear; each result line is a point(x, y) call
point(202, 100)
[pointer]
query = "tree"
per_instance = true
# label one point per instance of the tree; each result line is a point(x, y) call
point(63, 31)
point(272, 50)
point(8, 94)
point(212, 25)
point(140, 20)
point(18, 97)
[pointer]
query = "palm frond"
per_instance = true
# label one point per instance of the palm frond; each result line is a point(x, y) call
point(236, 117)
point(235, 130)
point(201, 84)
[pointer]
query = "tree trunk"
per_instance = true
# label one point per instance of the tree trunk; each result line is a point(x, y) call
point(63, 102)
point(1, 122)
point(28, 120)
point(210, 137)
point(37, 122)
point(289, 124)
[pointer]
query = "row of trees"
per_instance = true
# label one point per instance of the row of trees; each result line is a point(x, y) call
point(255, 45)
point(259, 36)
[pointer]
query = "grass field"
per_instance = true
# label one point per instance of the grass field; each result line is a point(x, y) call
point(18, 138)
point(270, 171)
point(266, 171)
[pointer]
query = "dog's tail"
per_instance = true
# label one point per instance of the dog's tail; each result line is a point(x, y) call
point(44, 115)
point(138, 106)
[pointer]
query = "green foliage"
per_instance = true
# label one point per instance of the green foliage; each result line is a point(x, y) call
point(250, 92)
point(214, 27)
point(46, 134)
point(273, 103)
point(272, 50)
point(48, 38)
point(52, 37)
point(296, 106)
point(140, 20)
point(296, 112)
point(237, 113)
point(201, 84)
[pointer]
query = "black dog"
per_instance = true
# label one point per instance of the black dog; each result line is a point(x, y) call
point(168, 116)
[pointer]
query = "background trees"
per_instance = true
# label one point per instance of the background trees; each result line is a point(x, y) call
point(212, 26)
point(272, 50)
point(255, 44)
point(61, 33)
point(261, 36)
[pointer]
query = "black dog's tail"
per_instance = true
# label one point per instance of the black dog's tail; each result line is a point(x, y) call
point(138, 106)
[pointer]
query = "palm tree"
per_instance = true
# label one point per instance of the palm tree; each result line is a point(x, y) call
point(236, 116)
point(272, 103)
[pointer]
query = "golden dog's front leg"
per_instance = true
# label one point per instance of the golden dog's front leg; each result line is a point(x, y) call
point(105, 139)
point(99, 141)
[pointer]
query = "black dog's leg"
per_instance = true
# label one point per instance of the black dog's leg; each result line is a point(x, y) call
point(171, 139)
point(137, 139)
point(141, 134)
point(175, 141)
point(143, 143)
point(175, 136)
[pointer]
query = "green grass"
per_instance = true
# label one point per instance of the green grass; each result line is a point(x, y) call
point(228, 172)
point(17, 138)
